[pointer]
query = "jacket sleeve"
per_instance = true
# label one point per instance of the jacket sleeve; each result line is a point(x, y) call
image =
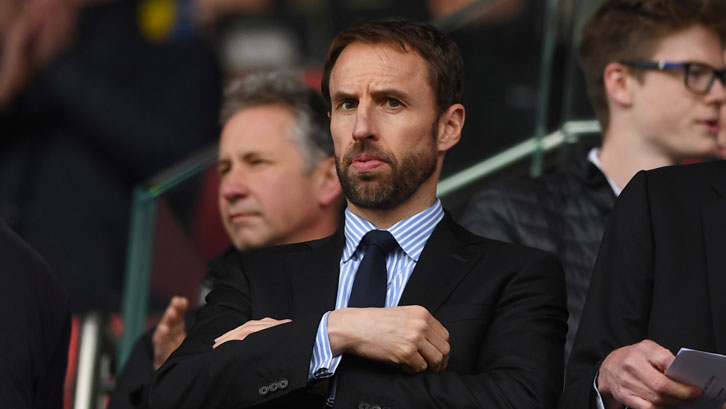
point(617, 309)
point(519, 361)
point(264, 366)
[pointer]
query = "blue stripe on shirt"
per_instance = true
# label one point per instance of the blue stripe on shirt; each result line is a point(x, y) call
point(411, 234)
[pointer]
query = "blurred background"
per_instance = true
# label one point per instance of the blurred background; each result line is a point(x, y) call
point(109, 116)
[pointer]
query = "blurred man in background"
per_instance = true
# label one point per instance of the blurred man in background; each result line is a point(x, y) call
point(89, 108)
point(651, 115)
point(278, 185)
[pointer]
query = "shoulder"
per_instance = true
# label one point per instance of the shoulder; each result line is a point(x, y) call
point(233, 261)
point(685, 177)
point(491, 250)
point(32, 281)
point(676, 187)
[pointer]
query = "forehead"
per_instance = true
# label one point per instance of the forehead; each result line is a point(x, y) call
point(695, 43)
point(370, 66)
point(258, 128)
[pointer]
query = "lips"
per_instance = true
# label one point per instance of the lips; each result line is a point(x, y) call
point(240, 216)
point(711, 125)
point(366, 162)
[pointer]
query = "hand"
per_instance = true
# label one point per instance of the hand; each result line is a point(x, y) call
point(634, 376)
point(249, 327)
point(39, 30)
point(170, 332)
point(408, 336)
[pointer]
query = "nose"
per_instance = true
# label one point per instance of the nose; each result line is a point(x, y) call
point(717, 93)
point(233, 186)
point(364, 123)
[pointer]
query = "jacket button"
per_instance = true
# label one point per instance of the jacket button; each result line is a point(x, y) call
point(364, 405)
point(283, 383)
point(263, 390)
point(375, 407)
point(273, 387)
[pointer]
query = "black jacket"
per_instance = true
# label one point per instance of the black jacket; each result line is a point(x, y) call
point(659, 274)
point(35, 328)
point(503, 305)
point(563, 213)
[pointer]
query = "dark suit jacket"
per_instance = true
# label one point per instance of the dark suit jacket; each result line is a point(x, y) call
point(504, 307)
point(35, 325)
point(660, 273)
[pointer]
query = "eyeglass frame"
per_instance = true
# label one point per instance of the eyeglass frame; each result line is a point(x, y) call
point(662, 65)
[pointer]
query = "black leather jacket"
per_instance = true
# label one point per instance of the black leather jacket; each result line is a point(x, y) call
point(564, 213)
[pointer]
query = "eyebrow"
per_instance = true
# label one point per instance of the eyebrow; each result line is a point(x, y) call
point(376, 94)
point(339, 96)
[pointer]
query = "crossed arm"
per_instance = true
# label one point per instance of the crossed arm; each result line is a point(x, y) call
point(408, 336)
point(510, 356)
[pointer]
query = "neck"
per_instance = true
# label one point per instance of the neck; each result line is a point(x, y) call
point(623, 154)
point(424, 198)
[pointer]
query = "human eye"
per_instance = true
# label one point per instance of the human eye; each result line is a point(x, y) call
point(223, 167)
point(257, 161)
point(347, 104)
point(698, 76)
point(393, 103)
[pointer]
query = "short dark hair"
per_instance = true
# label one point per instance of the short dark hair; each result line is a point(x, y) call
point(312, 127)
point(442, 55)
point(631, 30)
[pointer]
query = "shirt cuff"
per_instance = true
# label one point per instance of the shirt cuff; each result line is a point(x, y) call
point(598, 398)
point(323, 364)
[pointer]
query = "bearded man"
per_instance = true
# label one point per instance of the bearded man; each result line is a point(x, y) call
point(402, 308)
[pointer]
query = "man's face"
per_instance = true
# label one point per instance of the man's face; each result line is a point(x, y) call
point(384, 124)
point(674, 120)
point(265, 196)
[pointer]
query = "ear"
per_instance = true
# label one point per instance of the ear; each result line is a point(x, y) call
point(326, 183)
point(450, 124)
point(618, 84)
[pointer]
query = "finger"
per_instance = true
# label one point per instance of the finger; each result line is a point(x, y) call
point(250, 327)
point(439, 328)
point(432, 355)
point(414, 363)
point(176, 318)
point(661, 358)
point(169, 315)
point(654, 386)
point(635, 402)
point(441, 345)
point(181, 304)
point(240, 333)
point(160, 333)
point(224, 338)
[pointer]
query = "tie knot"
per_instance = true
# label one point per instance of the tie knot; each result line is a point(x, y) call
point(381, 239)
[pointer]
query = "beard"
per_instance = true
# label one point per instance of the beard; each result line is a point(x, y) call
point(384, 190)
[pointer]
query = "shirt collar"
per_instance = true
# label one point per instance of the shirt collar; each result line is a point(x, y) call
point(594, 157)
point(411, 233)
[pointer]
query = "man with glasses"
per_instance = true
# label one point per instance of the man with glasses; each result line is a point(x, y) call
point(655, 71)
point(655, 77)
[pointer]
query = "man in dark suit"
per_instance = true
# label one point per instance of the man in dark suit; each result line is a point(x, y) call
point(657, 287)
point(269, 118)
point(402, 308)
point(35, 327)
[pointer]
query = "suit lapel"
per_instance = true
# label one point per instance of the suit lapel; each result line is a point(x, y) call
point(443, 264)
point(714, 228)
point(313, 276)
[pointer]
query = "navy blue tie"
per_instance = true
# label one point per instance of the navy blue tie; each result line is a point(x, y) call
point(369, 287)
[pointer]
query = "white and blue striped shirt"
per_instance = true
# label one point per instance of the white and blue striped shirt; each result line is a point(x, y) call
point(411, 234)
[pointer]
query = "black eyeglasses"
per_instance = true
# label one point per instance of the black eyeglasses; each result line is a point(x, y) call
point(699, 78)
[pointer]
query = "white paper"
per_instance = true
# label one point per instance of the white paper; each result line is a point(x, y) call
point(705, 370)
